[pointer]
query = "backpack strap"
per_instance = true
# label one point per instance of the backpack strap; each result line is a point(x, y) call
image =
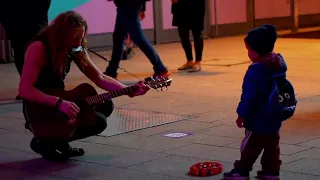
point(279, 75)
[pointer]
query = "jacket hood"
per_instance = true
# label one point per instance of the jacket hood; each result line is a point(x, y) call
point(274, 61)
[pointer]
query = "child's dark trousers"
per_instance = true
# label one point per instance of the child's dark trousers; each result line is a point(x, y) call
point(251, 147)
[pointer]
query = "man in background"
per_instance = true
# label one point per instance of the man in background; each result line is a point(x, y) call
point(22, 20)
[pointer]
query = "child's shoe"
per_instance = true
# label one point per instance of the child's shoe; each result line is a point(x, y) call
point(235, 174)
point(268, 176)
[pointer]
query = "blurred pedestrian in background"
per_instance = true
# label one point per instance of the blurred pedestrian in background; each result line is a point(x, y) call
point(22, 20)
point(189, 15)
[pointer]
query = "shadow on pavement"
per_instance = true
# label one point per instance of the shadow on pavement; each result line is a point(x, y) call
point(39, 165)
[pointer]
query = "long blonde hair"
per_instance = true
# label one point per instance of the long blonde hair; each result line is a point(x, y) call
point(57, 32)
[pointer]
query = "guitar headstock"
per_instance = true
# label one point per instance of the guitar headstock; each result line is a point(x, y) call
point(159, 82)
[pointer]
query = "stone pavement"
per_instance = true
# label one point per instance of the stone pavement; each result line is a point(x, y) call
point(211, 96)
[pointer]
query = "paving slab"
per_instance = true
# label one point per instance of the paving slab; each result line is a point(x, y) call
point(311, 143)
point(126, 174)
point(9, 157)
point(214, 116)
point(225, 131)
point(18, 141)
point(13, 174)
point(295, 137)
point(151, 143)
point(12, 124)
point(306, 166)
point(12, 114)
point(198, 138)
point(312, 153)
point(207, 152)
point(302, 126)
point(228, 153)
point(115, 156)
point(285, 175)
point(188, 126)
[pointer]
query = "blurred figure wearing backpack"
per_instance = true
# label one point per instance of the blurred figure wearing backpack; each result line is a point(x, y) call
point(128, 44)
point(267, 99)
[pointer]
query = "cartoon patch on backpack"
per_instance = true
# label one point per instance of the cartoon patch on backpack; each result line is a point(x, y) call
point(287, 98)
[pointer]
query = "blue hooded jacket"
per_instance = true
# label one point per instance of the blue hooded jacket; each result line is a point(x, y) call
point(259, 115)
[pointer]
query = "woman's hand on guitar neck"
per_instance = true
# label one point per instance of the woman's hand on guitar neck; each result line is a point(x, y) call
point(143, 88)
point(69, 108)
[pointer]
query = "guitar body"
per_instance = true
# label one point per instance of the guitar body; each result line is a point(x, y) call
point(37, 113)
point(83, 95)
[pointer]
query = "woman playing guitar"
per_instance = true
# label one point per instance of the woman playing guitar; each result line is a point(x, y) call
point(54, 115)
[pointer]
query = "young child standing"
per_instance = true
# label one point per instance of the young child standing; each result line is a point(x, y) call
point(258, 111)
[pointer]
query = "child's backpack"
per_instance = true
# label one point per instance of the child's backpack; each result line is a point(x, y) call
point(283, 90)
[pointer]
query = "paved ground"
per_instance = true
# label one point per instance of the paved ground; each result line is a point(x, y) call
point(211, 95)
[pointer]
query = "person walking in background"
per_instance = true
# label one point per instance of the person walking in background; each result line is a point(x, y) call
point(189, 15)
point(22, 20)
point(128, 45)
point(128, 21)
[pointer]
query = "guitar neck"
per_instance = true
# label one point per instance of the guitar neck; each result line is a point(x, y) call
point(92, 100)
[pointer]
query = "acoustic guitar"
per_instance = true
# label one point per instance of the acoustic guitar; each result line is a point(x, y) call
point(86, 98)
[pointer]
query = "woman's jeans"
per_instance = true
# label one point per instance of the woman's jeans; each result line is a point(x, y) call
point(128, 21)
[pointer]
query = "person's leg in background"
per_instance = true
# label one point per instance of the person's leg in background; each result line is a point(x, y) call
point(18, 46)
point(21, 33)
point(128, 48)
point(187, 47)
point(20, 40)
point(119, 35)
point(124, 53)
point(198, 47)
point(133, 25)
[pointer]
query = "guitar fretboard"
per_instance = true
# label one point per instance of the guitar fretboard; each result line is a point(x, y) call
point(109, 95)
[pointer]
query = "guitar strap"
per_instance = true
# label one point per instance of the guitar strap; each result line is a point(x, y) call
point(104, 58)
